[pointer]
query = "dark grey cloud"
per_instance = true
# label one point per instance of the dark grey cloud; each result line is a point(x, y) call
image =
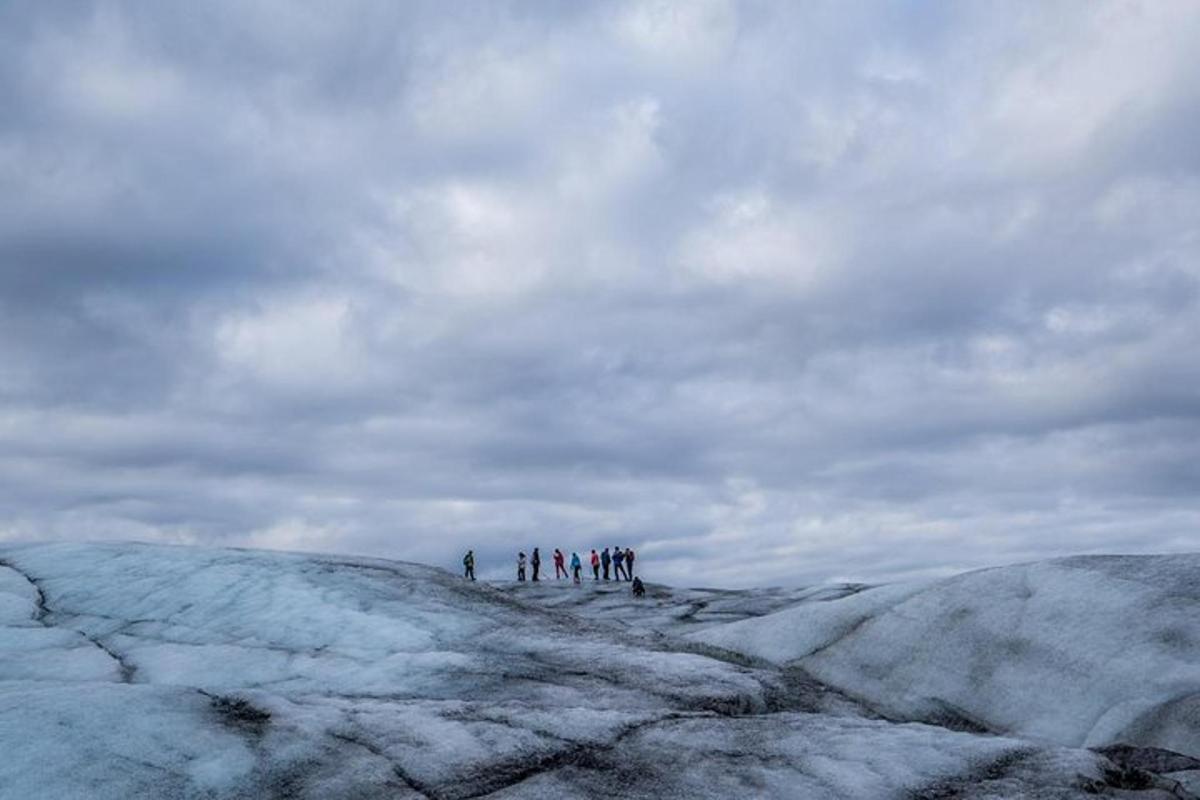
point(769, 292)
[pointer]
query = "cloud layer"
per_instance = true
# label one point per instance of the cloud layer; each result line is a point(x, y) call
point(770, 293)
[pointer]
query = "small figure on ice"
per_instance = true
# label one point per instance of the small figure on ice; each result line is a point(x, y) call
point(521, 566)
point(639, 589)
point(559, 568)
point(618, 558)
point(469, 565)
point(576, 566)
point(535, 561)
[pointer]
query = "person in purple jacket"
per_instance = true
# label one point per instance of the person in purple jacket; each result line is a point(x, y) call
point(619, 565)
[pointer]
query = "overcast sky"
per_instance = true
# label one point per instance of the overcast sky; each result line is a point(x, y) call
point(771, 292)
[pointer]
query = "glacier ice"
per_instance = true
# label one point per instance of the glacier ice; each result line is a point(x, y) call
point(131, 671)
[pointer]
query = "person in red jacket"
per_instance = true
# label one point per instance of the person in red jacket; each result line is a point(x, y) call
point(560, 566)
point(595, 565)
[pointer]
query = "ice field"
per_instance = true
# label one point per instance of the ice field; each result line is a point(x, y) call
point(130, 671)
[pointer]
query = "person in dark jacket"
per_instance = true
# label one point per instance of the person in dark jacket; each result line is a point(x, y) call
point(521, 566)
point(605, 561)
point(639, 590)
point(560, 569)
point(536, 562)
point(618, 558)
point(469, 565)
point(629, 562)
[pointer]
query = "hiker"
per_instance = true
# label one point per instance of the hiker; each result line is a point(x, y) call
point(521, 566)
point(536, 562)
point(605, 560)
point(639, 590)
point(576, 566)
point(558, 564)
point(618, 564)
point(469, 565)
point(629, 562)
point(595, 565)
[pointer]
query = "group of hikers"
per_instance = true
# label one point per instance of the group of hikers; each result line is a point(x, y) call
point(618, 563)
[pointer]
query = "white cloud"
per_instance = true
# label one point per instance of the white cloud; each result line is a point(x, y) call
point(679, 35)
point(297, 344)
point(750, 238)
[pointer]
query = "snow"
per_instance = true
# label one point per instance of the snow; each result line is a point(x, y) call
point(1084, 651)
point(138, 671)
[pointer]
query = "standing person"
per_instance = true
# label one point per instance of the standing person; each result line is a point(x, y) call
point(595, 565)
point(618, 564)
point(576, 566)
point(536, 563)
point(469, 565)
point(629, 562)
point(521, 566)
point(559, 568)
point(605, 560)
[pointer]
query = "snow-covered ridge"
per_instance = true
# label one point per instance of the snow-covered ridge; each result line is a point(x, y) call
point(1085, 651)
point(137, 671)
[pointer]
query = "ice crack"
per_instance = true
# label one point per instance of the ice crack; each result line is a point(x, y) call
point(125, 670)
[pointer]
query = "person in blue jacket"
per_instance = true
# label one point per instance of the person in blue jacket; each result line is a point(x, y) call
point(576, 566)
point(618, 558)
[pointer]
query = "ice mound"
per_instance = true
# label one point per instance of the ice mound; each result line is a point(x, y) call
point(1083, 651)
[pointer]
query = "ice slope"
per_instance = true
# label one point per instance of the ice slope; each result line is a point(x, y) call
point(135, 671)
point(1083, 651)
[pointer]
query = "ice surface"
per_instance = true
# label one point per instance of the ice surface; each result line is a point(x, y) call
point(1080, 651)
point(666, 609)
point(135, 671)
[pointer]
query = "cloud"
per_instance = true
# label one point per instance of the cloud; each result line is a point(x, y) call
point(769, 293)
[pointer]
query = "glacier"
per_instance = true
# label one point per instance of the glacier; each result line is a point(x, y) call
point(154, 671)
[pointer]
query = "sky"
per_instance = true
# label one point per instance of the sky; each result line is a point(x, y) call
point(773, 293)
